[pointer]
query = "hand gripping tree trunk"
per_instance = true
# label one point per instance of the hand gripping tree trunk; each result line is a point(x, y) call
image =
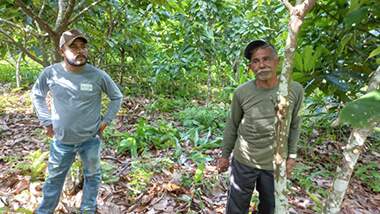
point(351, 153)
point(297, 14)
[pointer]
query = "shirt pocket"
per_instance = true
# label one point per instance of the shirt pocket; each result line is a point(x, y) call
point(88, 91)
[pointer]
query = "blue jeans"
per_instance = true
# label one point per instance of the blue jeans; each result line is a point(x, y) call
point(61, 158)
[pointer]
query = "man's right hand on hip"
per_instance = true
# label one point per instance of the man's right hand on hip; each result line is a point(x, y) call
point(222, 164)
point(49, 131)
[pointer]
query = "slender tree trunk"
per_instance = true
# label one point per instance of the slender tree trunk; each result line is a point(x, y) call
point(208, 86)
point(122, 65)
point(351, 153)
point(18, 63)
point(297, 14)
point(235, 69)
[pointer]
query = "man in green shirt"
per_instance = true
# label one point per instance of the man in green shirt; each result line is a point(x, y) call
point(250, 132)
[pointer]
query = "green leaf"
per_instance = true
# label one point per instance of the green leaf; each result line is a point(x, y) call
point(354, 5)
point(362, 112)
point(23, 211)
point(344, 42)
point(298, 76)
point(374, 52)
point(298, 64)
point(198, 176)
point(356, 17)
point(308, 60)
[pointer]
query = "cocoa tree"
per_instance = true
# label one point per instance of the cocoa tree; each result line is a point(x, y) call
point(41, 37)
point(351, 153)
point(297, 14)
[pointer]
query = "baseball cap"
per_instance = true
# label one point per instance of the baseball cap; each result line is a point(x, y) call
point(69, 36)
point(253, 45)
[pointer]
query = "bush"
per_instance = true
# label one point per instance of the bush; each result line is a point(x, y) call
point(203, 117)
point(160, 135)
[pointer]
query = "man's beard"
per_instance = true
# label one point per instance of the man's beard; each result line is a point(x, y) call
point(74, 62)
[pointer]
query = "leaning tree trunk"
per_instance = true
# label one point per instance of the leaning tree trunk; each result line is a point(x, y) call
point(297, 14)
point(351, 153)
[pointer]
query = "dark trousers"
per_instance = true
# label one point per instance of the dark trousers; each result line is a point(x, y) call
point(243, 180)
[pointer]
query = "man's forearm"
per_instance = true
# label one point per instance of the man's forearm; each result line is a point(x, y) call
point(113, 108)
point(42, 109)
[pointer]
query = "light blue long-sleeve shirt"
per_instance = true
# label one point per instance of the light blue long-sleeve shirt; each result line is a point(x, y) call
point(76, 101)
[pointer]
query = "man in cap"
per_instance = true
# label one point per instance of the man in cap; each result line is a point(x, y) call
point(250, 132)
point(74, 121)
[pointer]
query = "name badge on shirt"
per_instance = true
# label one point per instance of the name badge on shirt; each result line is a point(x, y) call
point(86, 87)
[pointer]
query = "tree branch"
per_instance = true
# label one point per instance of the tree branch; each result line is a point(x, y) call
point(327, 12)
point(306, 7)
point(61, 11)
point(375, 80)
point(44, 25)
point(287, 5)
point(22, 48)
point(42, 8)
point(60, 27)
point(20, 27)
point(83, 11)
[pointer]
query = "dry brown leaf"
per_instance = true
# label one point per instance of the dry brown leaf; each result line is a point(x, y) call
point(23, 184)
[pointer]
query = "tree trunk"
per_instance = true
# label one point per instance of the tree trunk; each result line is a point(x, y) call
point(235, 69)
point(63, 21)
point(351, 153)
point(208, 100)
point(18, 62)
point(122, 67)
point(297, 14)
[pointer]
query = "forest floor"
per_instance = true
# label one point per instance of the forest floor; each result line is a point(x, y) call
point(154, 182)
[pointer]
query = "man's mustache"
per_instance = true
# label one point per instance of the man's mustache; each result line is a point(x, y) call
point(264, 70)
point(80, 56)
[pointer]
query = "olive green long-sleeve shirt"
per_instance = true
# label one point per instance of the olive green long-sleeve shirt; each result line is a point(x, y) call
point(250, 128)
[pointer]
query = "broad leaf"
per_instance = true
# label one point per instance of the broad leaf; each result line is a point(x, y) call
point(363, 111)
point(374, 52)
point(356, 17)
point(309, 61)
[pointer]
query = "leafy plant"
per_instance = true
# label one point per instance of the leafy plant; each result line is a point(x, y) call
point(128, 143)
point(199, 173)
point(165, 104)
point(108, 170)
point(142, 171)
point(34, 165)
point(369, 174)
point(199, 142)
point(362, 112)
point(140, 179)
point(160, 135)
point(305, 177)
point(203, 117)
